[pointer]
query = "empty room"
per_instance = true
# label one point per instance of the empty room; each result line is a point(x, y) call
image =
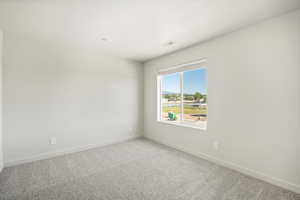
point(149, 100)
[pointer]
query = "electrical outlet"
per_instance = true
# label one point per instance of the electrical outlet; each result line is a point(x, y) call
point(216, 145)
point(52, 141)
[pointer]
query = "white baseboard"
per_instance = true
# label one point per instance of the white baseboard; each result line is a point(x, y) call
point(52, 154)
point(244, 170)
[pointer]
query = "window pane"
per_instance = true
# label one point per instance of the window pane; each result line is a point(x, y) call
point(195, 96)
point(171, 97)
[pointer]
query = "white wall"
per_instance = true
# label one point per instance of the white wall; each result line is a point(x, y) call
point(1, 145)
point(253, 101)
point(79, 96)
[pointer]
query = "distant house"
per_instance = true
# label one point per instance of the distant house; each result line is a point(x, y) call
point(203, 105)
point(165, 100)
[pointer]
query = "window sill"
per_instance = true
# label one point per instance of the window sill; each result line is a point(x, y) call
point(187, 125)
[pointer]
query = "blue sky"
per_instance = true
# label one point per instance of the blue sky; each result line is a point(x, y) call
point(194, 81)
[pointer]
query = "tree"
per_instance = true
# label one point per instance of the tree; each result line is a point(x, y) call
point(167, 96)
point(198, 96)
point(204, 99)
point(189, 97)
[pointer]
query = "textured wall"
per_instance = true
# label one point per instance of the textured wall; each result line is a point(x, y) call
point(253, 99)
point(79, 96)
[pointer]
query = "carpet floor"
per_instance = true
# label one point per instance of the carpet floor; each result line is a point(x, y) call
point(133, 170)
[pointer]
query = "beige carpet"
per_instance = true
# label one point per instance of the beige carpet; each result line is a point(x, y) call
point(134, 170)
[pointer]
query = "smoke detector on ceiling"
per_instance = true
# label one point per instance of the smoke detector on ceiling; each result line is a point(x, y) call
point(171, 43)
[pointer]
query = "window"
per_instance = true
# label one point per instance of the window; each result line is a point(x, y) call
point(182, 95)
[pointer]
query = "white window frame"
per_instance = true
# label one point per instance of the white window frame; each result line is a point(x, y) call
point(180, 69)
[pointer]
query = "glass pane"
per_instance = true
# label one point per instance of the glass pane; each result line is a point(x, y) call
point(171, 97)
point(195, 96)
point(171, 112)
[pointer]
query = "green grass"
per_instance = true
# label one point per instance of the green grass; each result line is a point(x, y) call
point(187, 110)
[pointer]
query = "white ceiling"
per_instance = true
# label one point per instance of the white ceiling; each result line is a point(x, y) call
point(135, 29)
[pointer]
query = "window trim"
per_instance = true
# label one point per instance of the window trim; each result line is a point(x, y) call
point(200, 64)
point(183, 124)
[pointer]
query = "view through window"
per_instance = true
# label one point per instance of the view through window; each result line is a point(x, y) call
point(183, 97)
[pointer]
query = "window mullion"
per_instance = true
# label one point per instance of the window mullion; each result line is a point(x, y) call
point(181, 90)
